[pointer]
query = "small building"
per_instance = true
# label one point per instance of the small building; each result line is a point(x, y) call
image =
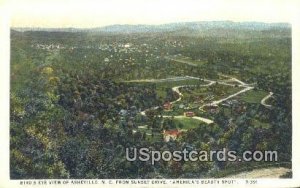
point(232, 102)
point(199, 98)
point(213, 111)
point(171, 134)
point(106, 60)
point(225, 105)
point(240, 109)
point(123, 112)
point(167, 106)
point(209, 107)
point(189, 114)
point(127, 45)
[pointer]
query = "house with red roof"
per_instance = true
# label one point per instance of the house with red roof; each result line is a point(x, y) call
point(167, 106)
point(189, 114)
point(168, 134)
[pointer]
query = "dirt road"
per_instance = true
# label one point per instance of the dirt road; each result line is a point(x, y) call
point(263, 101)
point(272, 172)
point(176, 89)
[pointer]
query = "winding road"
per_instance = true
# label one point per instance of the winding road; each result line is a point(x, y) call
point(230, 96)
point(263, 101)
point(176, 89)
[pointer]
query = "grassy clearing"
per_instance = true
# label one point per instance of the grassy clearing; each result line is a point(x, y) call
point(253, 96)
point(186, 123)
point(161, 87)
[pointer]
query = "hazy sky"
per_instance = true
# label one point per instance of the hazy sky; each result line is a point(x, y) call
point(88, 13)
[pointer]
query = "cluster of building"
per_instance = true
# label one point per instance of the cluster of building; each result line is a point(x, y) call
point(48, 46)
point(171, 134)
point(235, 105)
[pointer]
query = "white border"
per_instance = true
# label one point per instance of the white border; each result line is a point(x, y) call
point(4, 107)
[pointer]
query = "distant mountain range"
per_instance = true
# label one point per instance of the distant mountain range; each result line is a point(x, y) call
point(191, 26)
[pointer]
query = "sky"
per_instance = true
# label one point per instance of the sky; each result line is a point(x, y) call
point(89, 13)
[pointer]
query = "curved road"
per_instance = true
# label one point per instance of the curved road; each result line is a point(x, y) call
point(263, 101)
point(230, 96)
point(211, 82)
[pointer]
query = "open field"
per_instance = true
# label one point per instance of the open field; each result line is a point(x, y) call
point(254, 96)
point(187, 123)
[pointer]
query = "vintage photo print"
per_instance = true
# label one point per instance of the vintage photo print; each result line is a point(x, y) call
point(150, 93)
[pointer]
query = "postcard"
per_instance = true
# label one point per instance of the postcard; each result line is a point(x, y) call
point(150, 93)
